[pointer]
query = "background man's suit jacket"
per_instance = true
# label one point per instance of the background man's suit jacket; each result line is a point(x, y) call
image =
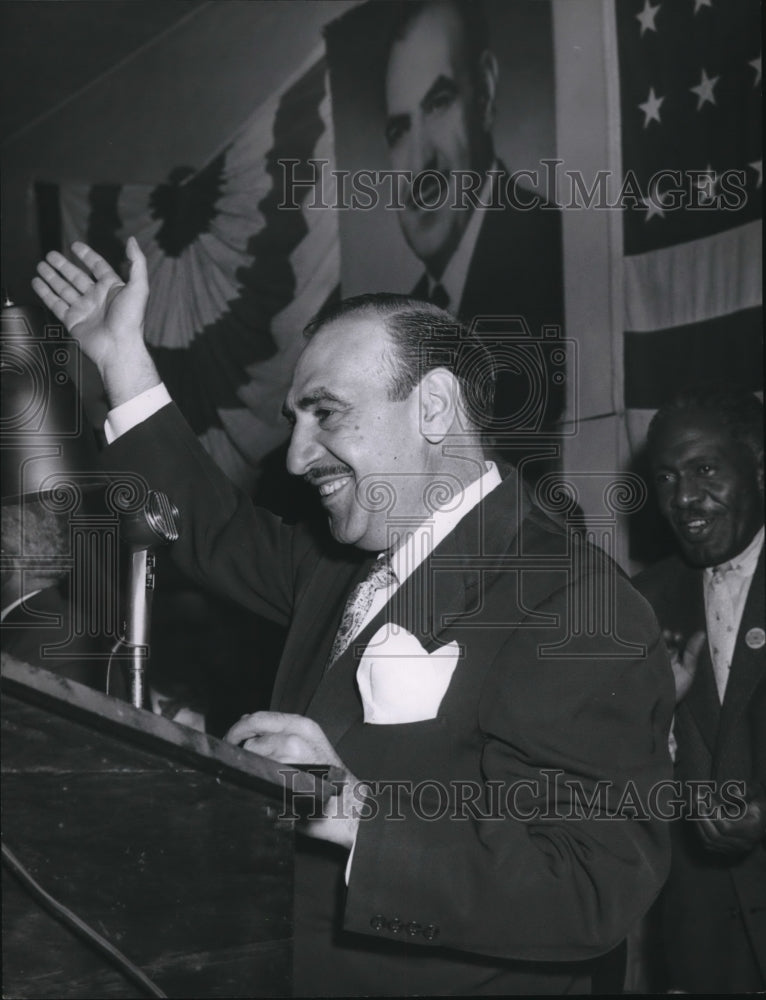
point(714, 907)
point(453, 905)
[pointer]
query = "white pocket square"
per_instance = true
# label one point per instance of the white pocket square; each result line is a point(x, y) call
point(399, 681)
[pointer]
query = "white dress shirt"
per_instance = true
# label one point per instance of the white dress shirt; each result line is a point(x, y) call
point(736, 577)
point(128, 415)
point(418, 544)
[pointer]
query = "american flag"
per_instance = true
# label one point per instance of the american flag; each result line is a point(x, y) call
point(690, 79)
point(234, 277)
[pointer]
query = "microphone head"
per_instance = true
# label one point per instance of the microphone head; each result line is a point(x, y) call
point(154, 524)
point(162, 516)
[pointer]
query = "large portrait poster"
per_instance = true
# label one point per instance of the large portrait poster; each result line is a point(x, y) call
point(445, 155)
point(523, 127)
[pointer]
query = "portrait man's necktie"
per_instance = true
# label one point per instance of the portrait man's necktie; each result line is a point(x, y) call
point(358, 604)
point(439, 296)
point(720, 627)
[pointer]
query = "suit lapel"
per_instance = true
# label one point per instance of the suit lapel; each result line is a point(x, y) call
point(430, 601)
point(309, 641)
point(747, 667)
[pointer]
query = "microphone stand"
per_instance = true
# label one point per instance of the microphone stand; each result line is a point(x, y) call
point(155, 524)
point(140, 588)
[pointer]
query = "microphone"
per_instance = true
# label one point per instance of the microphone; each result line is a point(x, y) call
point(143, 530)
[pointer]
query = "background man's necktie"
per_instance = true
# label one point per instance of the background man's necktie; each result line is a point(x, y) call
point(359, 603)
point(720, 626)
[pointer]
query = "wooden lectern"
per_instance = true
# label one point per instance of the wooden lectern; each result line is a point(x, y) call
point(172, 845)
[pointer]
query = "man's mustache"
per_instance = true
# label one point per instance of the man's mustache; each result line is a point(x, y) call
point(326, 472)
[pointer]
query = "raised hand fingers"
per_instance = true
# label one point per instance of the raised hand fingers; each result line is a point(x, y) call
point(57, 305)
point(60, 285)
point(137, 261)
point(73, 274)
point(99, 268)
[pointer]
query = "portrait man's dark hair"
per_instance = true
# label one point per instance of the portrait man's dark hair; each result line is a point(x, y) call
point(473, 19)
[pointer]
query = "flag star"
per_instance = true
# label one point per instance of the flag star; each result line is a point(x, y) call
point(647, 16)
point(652, 209)
point(698, 4)
point(704, 89)
point(756, 64)
point(653, 203)
point(651, 107)
point(757, 166)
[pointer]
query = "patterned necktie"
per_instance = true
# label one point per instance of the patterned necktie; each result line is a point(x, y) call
point(439, 296)
point(358, 604)
point(720, 627)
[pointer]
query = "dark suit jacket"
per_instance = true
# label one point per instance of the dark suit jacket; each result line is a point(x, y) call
point(516, 268)
point(463, 905)
point(715, 907)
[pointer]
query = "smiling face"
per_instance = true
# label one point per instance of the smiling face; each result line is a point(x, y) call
point(436, 120)
point(709, 487)
point(348, 435)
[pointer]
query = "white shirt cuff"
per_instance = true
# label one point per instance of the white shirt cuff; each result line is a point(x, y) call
point(128, 415)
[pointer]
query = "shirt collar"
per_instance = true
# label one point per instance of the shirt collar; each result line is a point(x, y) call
point(456, 272)
point(744, 564)
point(418, 544)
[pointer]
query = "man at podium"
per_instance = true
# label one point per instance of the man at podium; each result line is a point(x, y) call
point(493, 831)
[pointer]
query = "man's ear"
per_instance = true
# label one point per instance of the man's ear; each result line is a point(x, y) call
point(439, 404)
point(487, 88)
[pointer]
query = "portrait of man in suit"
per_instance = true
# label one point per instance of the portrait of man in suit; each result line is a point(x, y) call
point(496, 250)
point(482, 836)
point(449, 108)
point(706, 452)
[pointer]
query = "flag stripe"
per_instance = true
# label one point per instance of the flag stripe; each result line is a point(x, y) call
point(691, 141)
point(728, 348)
point(695, 281)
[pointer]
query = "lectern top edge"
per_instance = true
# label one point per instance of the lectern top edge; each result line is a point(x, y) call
point(201, 751)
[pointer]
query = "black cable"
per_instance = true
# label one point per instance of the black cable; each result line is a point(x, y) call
point(79, 926)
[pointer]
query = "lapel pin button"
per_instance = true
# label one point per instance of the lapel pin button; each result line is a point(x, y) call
point(755, 638)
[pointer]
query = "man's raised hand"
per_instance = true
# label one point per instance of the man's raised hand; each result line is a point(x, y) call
point(103, 313)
